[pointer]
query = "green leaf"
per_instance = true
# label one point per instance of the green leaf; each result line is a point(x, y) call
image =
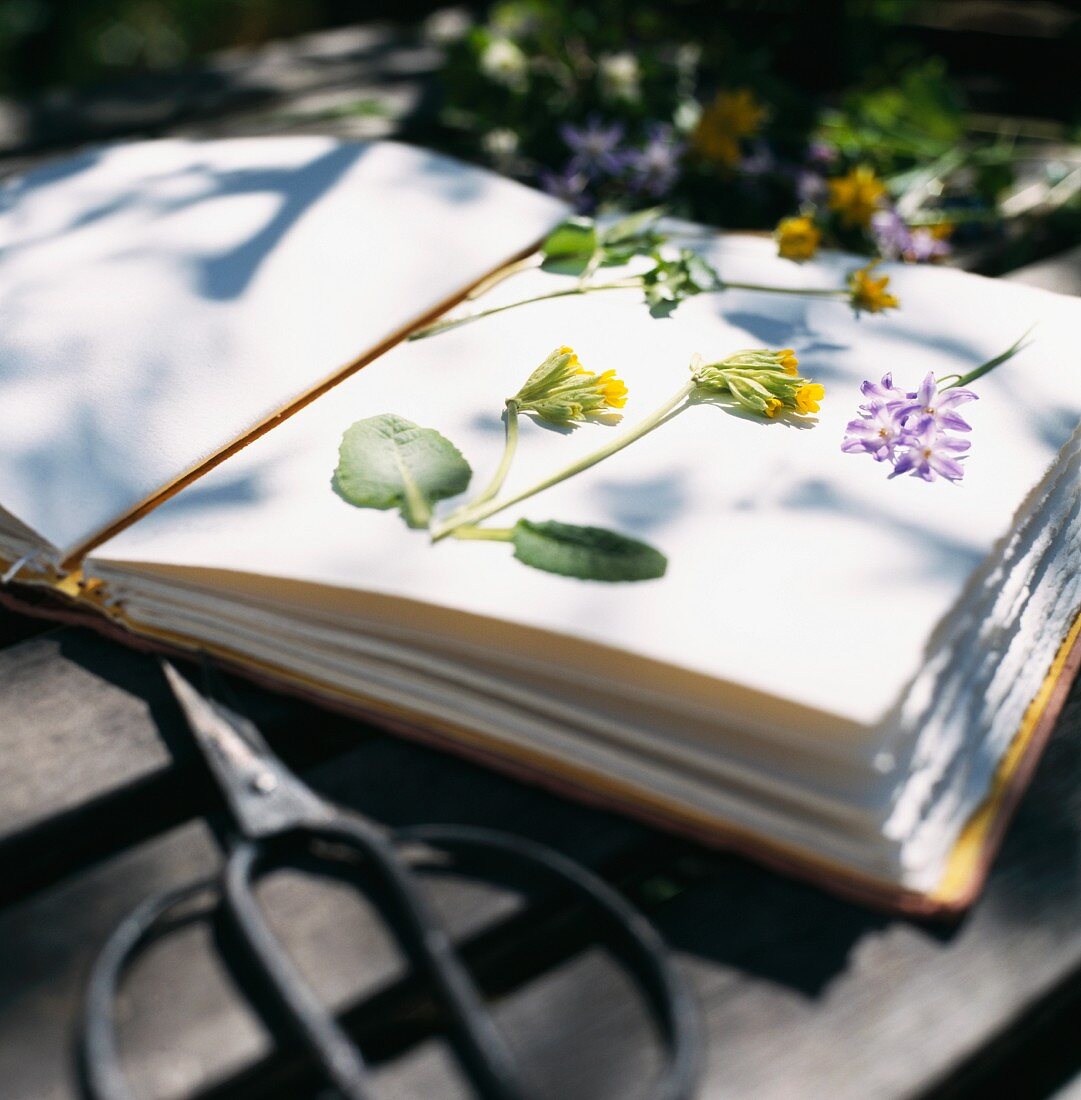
point(632, 228)
point(388, 462)
point(589, 553)
point(570, 246)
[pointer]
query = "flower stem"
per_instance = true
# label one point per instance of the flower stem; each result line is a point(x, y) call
point(454, 322)
point(986, 368)
point(510, 445)
point(629, 283)
point(474, 513)
point(489, 534)
point(812, 292)
point(526, 264)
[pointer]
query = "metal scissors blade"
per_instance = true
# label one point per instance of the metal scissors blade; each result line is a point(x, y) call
point(264, 796)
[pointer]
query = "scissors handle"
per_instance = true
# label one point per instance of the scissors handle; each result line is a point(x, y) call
point(358, 846)
point(482, 1047)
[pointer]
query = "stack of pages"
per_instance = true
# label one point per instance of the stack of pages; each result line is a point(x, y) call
point(838, 673)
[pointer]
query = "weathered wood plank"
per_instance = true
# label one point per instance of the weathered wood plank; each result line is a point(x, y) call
point(96, 754)
point(87, 698)
point(785, 973)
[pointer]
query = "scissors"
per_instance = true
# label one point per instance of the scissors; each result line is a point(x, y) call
point(272, 810)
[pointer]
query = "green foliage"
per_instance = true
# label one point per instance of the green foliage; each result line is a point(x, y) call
point(670, 281)
point(579, 246)
point(918, 118)
point(588, 553)
point(388, 462)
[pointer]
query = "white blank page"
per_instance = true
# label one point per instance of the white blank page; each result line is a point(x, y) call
point(158, 300)
point(794, 569)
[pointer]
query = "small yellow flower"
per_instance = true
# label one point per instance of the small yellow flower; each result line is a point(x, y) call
point(562, 391)
point(808, 397)
point(731, 117)
point(797, 238)
point(613, 389)
point(870, 294)
point(762, 381)
point(856, 196)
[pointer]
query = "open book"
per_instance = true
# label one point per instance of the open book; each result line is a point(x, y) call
point(841, 674)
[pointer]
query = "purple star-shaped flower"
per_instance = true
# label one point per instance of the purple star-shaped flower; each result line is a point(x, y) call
point(570, 185)
point(914, 431)
point(875, 432)
point(654, 169)
point(930, 453)
point(596, 147)
point(928, 402)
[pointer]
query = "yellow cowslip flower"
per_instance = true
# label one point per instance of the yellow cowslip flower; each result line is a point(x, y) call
point(856, 196)
point(797, 238)
point(613, 388)
point(562, 391)
point(731, 117)
point(762, 381)
point(867, 293)
point(808, 397)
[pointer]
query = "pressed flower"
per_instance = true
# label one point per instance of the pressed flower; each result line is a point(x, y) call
point(762, 381)
point(724, 123)
point(913, 431)
point(869, 294)
point(797, 238)
point(562, 391)
point(857, 195)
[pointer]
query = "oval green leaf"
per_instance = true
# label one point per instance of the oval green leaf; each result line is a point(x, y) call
point(389, 462)
point(589, 553)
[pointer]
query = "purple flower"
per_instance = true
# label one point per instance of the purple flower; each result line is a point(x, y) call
point(570, 185)
point(930, 453)
point(876, 433)
point(822, 154)
point(924, 246)
point(896, 241)
point(891, 234)
point(595, 147)
point(654, 169)
point(928, 403)
point(810, 188)
point(913, 431)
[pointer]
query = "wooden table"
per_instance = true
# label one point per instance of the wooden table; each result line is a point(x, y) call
point(102, 801)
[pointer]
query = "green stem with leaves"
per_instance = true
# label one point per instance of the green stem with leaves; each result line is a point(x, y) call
point(480, 510)
point(630, 283)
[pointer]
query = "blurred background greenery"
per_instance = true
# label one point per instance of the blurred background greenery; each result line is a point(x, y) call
point(904, 128)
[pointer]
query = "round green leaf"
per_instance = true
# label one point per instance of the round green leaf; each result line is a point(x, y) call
point(388, 462)
point(589, 553)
